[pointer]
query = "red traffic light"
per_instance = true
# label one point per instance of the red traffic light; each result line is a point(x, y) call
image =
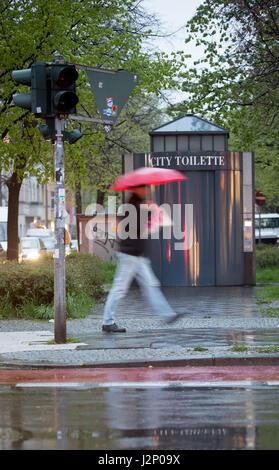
point(63, 89)
point(66, 77)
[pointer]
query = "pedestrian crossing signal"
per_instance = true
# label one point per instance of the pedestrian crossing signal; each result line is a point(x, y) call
point(63, 89)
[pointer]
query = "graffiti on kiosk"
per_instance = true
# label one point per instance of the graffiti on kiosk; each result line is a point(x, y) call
point(167, 221)
point(101, 238)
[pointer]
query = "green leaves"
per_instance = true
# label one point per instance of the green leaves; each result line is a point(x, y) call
point(236, 82)
point(107, 34)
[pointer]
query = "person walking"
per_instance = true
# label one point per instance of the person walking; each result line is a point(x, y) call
point(133, 264)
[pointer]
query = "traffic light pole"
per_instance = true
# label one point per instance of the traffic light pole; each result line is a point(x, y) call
point(59, 253)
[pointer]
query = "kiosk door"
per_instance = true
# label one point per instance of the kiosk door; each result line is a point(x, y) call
point(190, 261)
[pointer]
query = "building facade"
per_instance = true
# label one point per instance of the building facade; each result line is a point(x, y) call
point(36, 205)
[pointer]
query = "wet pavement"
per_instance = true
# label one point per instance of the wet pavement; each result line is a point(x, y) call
point(133, 417)
point(114, 391)
point(219, 323)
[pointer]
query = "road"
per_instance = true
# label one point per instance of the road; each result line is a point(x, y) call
point(190, 408)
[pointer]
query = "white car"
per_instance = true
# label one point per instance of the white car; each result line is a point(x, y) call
point(49, 244)
point(39, 232)
point(31, 248)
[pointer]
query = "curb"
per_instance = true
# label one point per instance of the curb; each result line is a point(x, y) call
point(193, 362)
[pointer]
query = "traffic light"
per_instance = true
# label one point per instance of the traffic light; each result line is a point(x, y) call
point(48, 132)
point(63, 89)
point(72, 137)
point(48, 129)
point(53, 89)
point(52, 94)
point(37, 100)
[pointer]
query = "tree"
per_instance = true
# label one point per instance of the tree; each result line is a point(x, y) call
point(236, 82)
point(107, 34)
point(130, 134)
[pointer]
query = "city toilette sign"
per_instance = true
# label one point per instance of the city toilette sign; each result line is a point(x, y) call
point(172, 161)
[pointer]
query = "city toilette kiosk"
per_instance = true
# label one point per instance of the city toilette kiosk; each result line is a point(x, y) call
point(214, 206)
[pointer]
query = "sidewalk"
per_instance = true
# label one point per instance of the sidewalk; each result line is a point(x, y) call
point(222, 325)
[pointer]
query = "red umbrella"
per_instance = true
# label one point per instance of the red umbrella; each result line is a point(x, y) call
point(146, 176)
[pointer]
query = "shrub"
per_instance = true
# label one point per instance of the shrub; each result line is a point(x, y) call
point(267, 256)
point(27, 289)
point(85, 273)
point(26, 283)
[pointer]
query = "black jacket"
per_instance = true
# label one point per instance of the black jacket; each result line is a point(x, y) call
point(130, 246)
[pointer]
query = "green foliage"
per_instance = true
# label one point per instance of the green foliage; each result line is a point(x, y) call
point(239, 348)
point(32, 30)
point(109, 271)
point(108, 34)
point(267, 256)
point(269, 293)
point(272, 312)
point(27, 290)
point(20, 284)
point(84, 273)
point(268, 274)
point(267, 349)
point(235, 82)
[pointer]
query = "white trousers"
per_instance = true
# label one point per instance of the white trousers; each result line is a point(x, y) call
point(138, 267)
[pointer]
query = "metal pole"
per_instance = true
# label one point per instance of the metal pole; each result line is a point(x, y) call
point(46, 206)
point(260, 223)
point(59, 253)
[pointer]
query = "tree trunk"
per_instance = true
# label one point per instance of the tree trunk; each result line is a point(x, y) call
point(14, 186)
point(78, 206)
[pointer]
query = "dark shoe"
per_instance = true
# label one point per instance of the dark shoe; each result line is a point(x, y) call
point(113, 329)
point(174, 318)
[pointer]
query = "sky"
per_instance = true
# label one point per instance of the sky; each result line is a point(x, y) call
point(174, 14)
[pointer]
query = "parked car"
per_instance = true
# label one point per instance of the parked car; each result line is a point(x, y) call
point(31, 248)
point(39, 232)
point(49, 244)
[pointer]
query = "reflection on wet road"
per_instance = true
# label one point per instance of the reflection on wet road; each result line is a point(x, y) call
point(84, 417)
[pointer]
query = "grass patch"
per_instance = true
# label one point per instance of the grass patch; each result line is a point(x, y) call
point(77, 306)
point(268, 275)
point(68, 340)
point(267, 293)
point(268, 349)
point(200, 348)
point(239, 348)
point(272, 312)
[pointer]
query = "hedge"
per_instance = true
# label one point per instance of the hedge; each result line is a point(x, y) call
point(267, 256)
point(32, 283)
